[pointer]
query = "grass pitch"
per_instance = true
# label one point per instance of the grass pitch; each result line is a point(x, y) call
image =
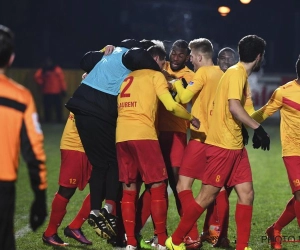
point(272, 192)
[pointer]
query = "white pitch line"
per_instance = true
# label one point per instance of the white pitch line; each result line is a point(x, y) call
point(20, 233)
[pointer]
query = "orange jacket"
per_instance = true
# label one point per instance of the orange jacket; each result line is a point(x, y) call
point(20, 130)
point(52, 81)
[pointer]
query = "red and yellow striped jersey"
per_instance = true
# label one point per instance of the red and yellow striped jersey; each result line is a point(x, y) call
point(286, 98)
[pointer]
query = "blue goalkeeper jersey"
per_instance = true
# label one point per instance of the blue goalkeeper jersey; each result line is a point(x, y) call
point(109, 73)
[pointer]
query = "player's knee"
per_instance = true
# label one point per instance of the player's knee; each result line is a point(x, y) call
point(297, 195)
point(246, 197)
point(157, 184)
point(184, 184)
point(66, 192)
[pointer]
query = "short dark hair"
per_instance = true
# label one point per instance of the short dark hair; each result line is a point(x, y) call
point(298, 67)
point(182, 44)
point(250, 47)
point(226, 49)
point(6, 45)
point(157, 50)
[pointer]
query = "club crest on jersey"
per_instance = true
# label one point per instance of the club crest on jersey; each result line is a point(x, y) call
point(191, 83)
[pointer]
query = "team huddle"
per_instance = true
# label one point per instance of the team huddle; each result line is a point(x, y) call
point(132, 124)
point(128, 126)
point(130, 115)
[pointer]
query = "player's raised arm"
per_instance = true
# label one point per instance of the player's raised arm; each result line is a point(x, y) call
point(136, 58)
point(90, 59)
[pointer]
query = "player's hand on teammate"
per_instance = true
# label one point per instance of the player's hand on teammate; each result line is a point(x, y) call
point(84, 75)
point(195, 122)
point(245, 135)
point(38, 211)
point(261, 139)
point(109, 49)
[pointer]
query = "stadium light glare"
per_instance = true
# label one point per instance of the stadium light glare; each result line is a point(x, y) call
point(224, 10)
point(245, 1)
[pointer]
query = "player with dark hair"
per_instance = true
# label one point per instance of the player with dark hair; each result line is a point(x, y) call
point(20, 131)
point(136, 136)
point(94, 105)
point(158, 53)
point(172, 131)
point(227, 162)
point(226, 58)
point(286, 98)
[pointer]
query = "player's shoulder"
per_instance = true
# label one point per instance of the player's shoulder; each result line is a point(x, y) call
point(215, 69)
point(187, 70)
point(15, 86)
point(287, 88)
point(156, 73)
point(145, 73)
point(289, 85)
point(13, 90)
point(200, 71)
point(236, 70)
point(205, 70)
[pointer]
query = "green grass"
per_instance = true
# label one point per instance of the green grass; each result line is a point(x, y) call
point(272, 191)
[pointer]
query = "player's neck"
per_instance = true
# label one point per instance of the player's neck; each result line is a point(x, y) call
point(248, 67)
point(208, 62)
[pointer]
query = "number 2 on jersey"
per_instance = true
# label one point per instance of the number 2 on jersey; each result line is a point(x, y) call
point(124, 92)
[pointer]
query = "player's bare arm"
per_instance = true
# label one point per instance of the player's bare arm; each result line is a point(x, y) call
point(238, 112)
point(260, 137)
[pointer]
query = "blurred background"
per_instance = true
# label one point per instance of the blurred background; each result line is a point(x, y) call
point(65, 30)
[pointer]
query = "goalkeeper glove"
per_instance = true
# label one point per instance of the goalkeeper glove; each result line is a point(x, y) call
point(245, 135)
point(261, 137)
point(38, 211)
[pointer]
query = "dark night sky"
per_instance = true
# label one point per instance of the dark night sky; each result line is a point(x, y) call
point(67, 29)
